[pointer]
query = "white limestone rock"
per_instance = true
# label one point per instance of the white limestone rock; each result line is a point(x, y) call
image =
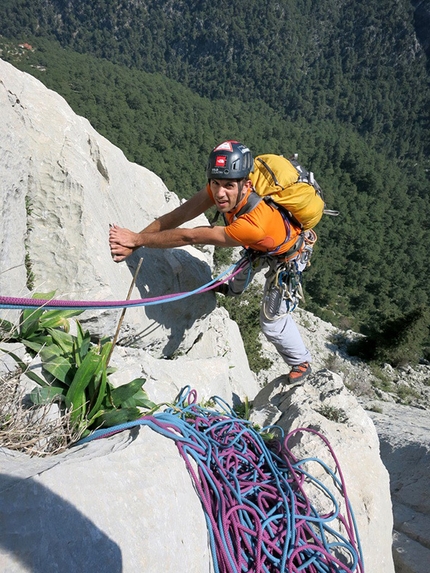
point(323, 404)
point(118, 505)
point(404, 435)
point(62, 185)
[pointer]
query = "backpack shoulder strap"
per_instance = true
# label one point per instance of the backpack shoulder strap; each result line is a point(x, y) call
point(253, 200)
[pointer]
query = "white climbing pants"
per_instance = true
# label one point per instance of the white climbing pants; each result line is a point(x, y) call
point(282, 332)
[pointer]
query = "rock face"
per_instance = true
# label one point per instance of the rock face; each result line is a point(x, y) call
point(323, 404)
point(404, 436)
point(123, 504)
point(62, 184)
point(126, 503)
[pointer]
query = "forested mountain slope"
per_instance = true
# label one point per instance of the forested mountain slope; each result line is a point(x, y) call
point(359, 62)
point(342, 83)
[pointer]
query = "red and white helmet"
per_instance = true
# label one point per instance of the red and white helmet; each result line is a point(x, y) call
point(229, 160)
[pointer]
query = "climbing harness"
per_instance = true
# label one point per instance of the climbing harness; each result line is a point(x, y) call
point(259, 515)
point(283, 284)
point(284, 279)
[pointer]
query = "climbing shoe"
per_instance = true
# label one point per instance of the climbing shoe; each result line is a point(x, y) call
point(299, 372)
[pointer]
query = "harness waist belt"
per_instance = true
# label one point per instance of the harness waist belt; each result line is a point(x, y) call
point(294, 249)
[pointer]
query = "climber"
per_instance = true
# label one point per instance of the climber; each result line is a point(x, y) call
point(263, 231)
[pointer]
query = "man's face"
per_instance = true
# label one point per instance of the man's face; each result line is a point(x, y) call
point(226, 193)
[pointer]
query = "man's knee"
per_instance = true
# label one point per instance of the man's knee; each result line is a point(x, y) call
point(273, 330)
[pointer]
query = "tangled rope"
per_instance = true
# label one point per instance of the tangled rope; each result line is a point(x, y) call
point(258, 515)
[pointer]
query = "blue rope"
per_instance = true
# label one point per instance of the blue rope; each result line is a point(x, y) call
point(257, 513)
point(26, 303)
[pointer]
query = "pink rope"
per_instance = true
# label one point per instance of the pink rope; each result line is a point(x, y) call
point(22, 303)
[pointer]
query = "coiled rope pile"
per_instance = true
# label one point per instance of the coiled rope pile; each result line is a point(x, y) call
point(258, 515)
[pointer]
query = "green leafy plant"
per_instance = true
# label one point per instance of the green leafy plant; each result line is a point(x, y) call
point(76, 371)
point(243, 409)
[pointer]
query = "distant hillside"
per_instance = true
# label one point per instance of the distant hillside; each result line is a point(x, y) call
point(359, 62)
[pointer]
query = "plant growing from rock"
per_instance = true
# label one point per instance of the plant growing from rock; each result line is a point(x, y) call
point(76, 371)
point(33, 430)
point(333, 413)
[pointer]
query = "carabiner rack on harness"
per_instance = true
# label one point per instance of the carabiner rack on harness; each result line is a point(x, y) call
point(285, 284)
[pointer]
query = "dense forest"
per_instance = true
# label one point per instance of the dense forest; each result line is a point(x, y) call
point(359, 62)
point(344, 84)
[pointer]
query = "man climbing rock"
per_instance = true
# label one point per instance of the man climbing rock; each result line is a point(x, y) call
point(270, 238)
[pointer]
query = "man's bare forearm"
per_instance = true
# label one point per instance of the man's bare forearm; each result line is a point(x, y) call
point(165, 232)
point(165, 239)
point(181, 237)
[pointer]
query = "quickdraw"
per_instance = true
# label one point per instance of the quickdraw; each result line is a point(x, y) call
point(284, 279)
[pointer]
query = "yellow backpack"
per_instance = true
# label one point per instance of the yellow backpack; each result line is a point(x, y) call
point(288, 184)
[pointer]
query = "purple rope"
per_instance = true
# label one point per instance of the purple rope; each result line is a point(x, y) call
point(259, 518)
point(19, 303)
point(10, 301)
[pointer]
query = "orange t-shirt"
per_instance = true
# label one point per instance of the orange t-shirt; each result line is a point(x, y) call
point(262, 229)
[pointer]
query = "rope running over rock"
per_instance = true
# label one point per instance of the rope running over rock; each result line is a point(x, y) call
point(9, 302)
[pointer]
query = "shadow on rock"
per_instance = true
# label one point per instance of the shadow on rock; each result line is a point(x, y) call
point(172, 271)
point(54, 536)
